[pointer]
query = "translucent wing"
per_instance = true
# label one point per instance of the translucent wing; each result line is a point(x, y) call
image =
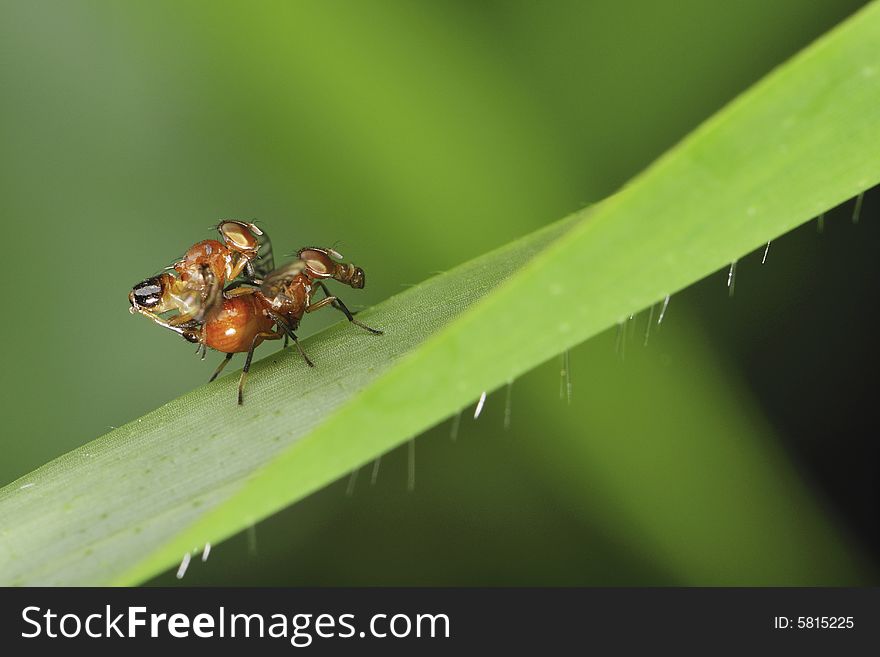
point(264, 264)
point(273, 283)
point(198, 298)
point(212, 295)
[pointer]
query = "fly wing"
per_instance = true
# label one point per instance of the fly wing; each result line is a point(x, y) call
point(200, 298)
point(264, 264)
point(212, 295)
point(274, 282)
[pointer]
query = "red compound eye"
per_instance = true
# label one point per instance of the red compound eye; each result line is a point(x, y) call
point(318, 263)
point(239, 235)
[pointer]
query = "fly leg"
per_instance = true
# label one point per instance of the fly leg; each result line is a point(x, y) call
point(220, 367)
point(283, 324)
point(258, 338)
point(178, 327)
point(239, 289)
point(330, 300)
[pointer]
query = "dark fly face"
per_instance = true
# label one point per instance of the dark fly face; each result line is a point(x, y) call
point(148, 293)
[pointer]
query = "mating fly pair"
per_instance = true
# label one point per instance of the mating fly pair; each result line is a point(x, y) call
point(227, 294)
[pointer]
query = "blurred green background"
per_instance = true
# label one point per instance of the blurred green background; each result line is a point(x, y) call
point(414, 136)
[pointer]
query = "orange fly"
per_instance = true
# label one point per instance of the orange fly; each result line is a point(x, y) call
point(227, 297)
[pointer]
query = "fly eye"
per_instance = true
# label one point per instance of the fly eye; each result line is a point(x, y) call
point(148, 293)
point(317, 261)
point(239, 235)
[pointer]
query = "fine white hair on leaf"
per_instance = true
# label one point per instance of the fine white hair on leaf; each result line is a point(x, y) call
point(507, 404)
point(411, 466)
point(731, 278)
point(857, 210)
point(184, 564)
point(480, 403)
point(456, 423)
point(375, 475)
point(565, 377)
point(663, 310)
point(252, 540)
point(352, 482)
